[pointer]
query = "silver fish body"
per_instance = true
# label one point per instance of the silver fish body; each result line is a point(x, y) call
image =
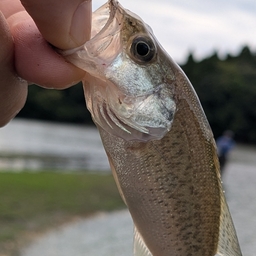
point(158, 141)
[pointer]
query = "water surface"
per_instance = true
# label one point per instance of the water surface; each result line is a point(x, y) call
point(34, 145)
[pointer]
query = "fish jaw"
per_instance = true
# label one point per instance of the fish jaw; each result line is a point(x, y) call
point(104, 44)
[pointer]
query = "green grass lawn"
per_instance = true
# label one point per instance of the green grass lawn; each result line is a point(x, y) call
point(33, 202)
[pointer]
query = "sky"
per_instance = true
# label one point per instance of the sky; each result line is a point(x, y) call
point(197, 26)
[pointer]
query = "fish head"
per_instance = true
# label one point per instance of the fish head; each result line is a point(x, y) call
point(129, 87)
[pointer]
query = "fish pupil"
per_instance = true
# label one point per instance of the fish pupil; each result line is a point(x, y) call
point(142, 48)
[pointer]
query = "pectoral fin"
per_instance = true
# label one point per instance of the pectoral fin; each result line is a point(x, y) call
point(139, 247)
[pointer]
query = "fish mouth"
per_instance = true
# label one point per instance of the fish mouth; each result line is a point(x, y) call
point(141, 114)
point(104, 44)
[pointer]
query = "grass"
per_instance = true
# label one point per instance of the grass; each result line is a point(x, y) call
point(34, 202)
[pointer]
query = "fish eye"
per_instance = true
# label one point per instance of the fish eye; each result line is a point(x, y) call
point(143, 49)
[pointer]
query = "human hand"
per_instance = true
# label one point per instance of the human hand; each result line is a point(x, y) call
point(24, 51)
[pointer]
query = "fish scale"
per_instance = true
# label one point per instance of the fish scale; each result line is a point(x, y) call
point(158, 141)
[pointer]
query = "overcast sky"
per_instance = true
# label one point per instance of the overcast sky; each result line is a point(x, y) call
point(200, 26)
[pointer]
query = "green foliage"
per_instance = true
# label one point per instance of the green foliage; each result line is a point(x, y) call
point(56, 105)
point(26, 195)
point(227, 91)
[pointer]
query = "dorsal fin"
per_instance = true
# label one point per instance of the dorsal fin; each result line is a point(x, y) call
point(139, 247)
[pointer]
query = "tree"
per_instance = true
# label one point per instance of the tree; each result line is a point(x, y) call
point(56, 105)
point(227, 90)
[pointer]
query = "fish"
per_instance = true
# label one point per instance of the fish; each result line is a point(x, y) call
point(159, 144)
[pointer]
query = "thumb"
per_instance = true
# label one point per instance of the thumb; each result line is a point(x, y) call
point(13, 90)
point(65, 24)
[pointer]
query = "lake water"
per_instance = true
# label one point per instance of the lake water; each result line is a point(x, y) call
point(34, 145)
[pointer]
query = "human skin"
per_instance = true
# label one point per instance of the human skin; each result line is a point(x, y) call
point(29, 32)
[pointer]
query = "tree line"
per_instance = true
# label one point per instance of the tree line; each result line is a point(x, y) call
point(67, 106)
point(226, 88)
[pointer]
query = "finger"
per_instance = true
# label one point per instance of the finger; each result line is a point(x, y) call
point(9, 7)
point(13, 90)
point(65, 24)
point(35, 60)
